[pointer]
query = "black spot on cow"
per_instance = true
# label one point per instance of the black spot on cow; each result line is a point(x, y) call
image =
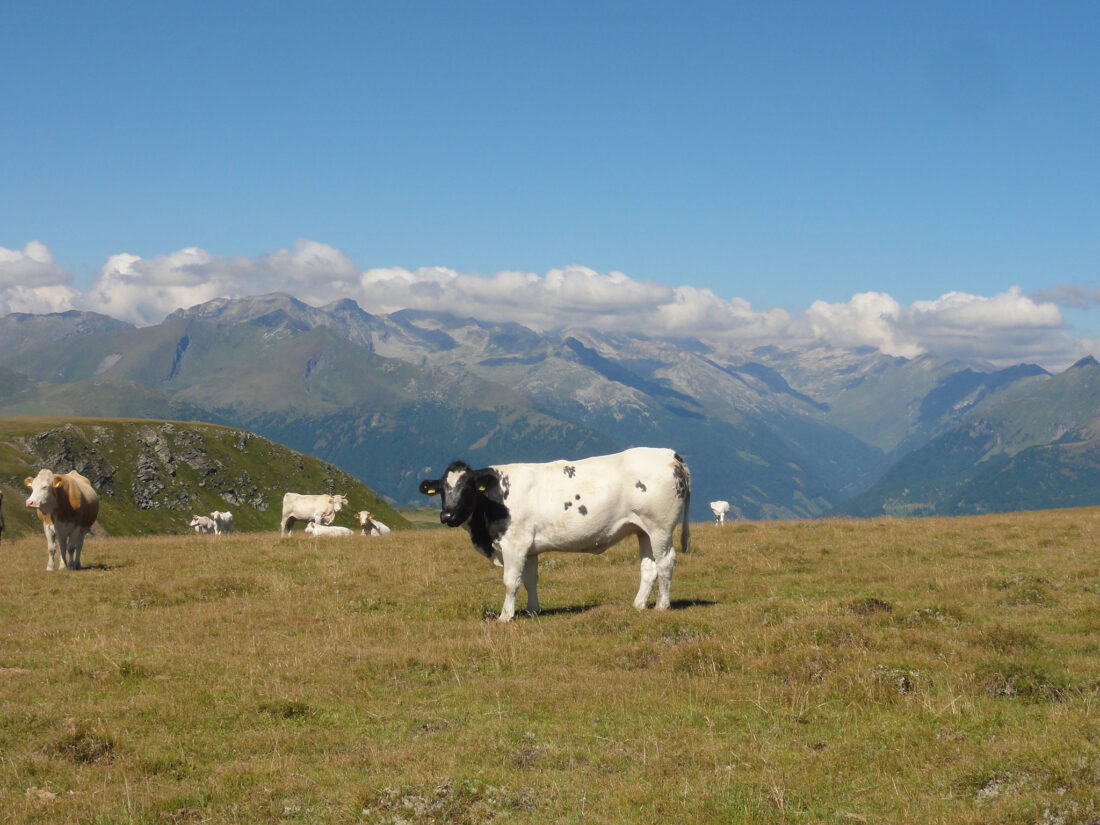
point(640, 485)
point(577, 497)
point(582, 510)
point(682, 477)
point(568, 504)
point(569, 470)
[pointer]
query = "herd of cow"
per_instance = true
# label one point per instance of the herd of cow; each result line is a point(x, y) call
point(513, 513)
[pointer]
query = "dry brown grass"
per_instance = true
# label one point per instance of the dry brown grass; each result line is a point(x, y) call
point(940, 670)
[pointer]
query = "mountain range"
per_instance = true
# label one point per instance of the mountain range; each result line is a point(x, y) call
point(780, 432)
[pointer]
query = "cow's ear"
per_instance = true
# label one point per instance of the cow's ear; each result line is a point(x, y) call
point(430, 488)
point(58, 481)
point(28, 481)
point(486, 481)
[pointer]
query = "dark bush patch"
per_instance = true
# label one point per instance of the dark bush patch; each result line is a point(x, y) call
point(464, 802)
point(1021, 680)
point(870, 606)
point(947, 616)
point(1007, 639)
point(289, 709)
point(83, 746)
point(1026, 590)
point(894, 681)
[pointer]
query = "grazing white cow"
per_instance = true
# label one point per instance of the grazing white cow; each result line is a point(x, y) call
point(223, 521)
point(514, 512)
point(721, 509)
point(369, 525)
point(299, 507)
point(203, 525)
point(328, 530)
point(67, 507)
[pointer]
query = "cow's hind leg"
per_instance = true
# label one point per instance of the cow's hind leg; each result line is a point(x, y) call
point(531, 584)
point(665, 564)
point(649, 571)
point(284, 527)
point(76, 544)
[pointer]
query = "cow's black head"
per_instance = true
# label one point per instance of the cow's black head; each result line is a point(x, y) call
point(460, 490)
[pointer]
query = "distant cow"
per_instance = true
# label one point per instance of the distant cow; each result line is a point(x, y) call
point(721, 509)
point(299, 507)
point(1, 515)
point(516, 511)
point(67, 507)
point(328, 531)
point(223, 521)
point(369, 525)
point(203, 525)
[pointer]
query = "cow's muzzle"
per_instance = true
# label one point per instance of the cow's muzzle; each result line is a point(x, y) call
point(449, 518)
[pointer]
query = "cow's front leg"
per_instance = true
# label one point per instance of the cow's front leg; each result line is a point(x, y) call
point(51, 548)
point(531, 584)
point(514, 563)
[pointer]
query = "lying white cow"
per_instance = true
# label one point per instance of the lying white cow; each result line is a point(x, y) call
point(223, 521)
point(202, 525)
point(299, 507)
point(369, 525)
point(721, 509)
point(516, 511)
point(328, 530)
point(67, 507)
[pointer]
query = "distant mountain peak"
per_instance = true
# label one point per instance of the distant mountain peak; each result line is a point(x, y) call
point(1087, 361)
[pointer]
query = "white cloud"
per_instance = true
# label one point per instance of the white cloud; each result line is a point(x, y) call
point(32, 281)
point(869, 319)
point(145, 291)
point(1005, 328)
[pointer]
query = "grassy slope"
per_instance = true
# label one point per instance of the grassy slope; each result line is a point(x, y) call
point(235, 471)
point(897, 671)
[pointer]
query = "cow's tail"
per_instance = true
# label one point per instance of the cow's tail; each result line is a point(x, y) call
point(683, 481)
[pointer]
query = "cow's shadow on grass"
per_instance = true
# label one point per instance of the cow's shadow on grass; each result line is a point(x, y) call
point(578, 609)
point(684, 604)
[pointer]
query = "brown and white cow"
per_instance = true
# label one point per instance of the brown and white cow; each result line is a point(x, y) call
point(67, 507)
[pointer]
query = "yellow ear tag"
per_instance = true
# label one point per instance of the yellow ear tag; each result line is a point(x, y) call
point(481, 487)
point(57, 482)
point(430, 492)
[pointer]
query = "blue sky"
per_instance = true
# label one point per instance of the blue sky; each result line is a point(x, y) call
point(778, 153)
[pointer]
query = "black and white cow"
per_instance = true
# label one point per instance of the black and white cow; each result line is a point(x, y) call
point(516, 511)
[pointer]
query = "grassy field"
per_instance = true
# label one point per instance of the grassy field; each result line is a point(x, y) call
point(897, 671)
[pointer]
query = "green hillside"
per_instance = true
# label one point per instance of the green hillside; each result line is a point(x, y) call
point(152, 476)
point(1038, 449)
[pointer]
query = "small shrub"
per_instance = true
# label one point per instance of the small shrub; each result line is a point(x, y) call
point(1026, 590)
point(84, 746)
point(1007, 639)
point(462, 802)
point(887, 680)
point(870, 606)
point(1021, 680)
point(925, 616)
point(289, 709)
